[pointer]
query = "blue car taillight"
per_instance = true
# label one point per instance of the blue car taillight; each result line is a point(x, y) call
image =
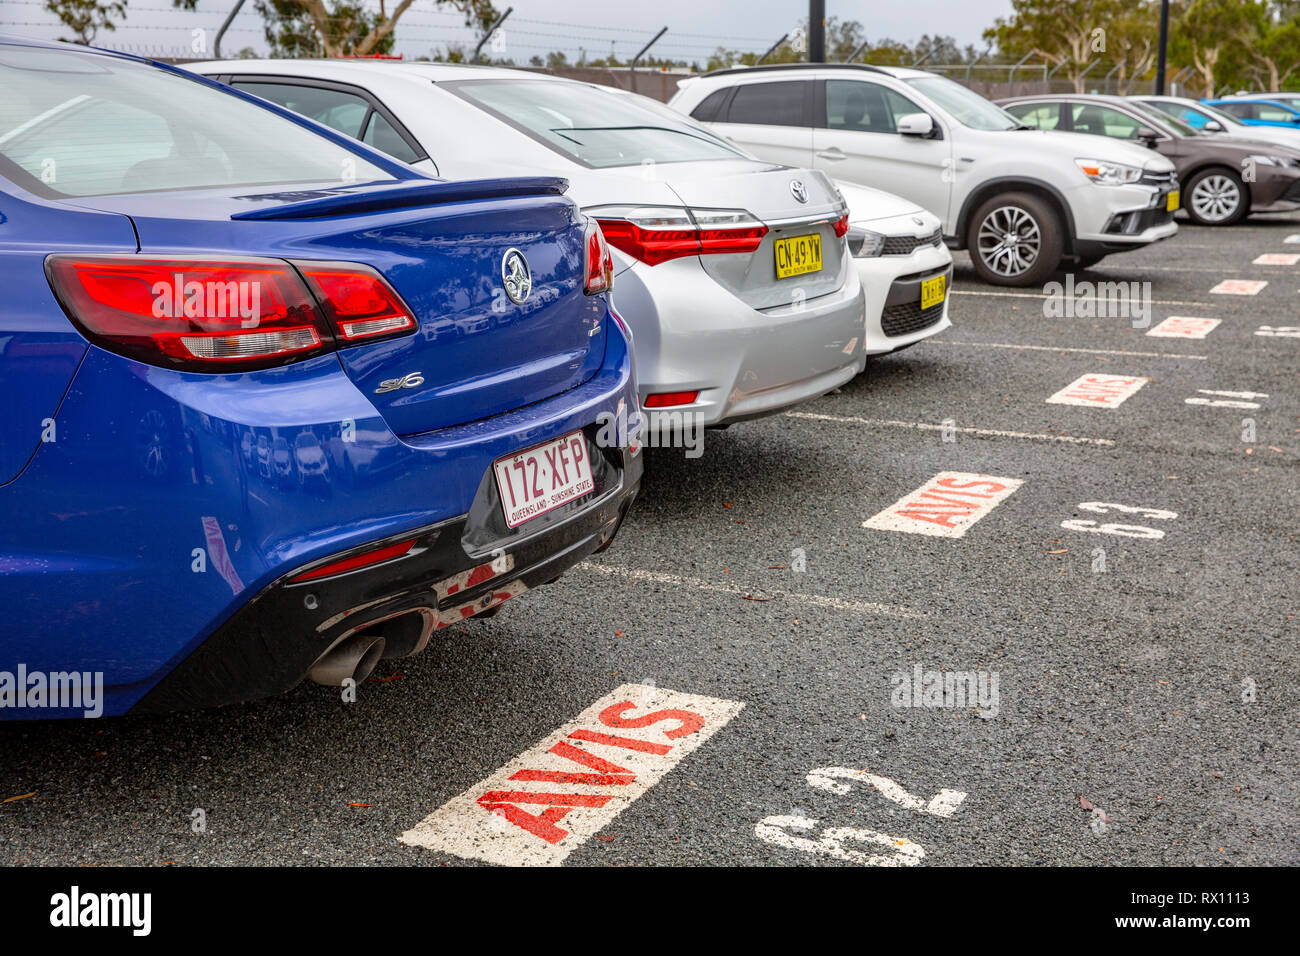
point(219, 314)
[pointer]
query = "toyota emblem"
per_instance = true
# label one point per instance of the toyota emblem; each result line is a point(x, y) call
point(798, 190)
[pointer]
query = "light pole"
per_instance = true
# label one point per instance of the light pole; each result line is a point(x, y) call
point(1162, 54)
point(816, 31)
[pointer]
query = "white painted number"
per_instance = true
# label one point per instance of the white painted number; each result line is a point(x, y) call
point(1121, 530)
point(831, 841)
point(1106, 507)
point(943, 804)
point(903, 852)
point(1220, 403)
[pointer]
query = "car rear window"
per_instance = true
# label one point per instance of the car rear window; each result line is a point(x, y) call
point(596, 127)
point(76, 124)
point(349, 113)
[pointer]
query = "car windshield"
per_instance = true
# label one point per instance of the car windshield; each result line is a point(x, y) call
point(77, 124)
point(593, 126)
point(966, 107)
point(1227, 119)
point(1164, 120)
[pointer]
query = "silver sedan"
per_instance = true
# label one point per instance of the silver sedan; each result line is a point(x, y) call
point(732, 272)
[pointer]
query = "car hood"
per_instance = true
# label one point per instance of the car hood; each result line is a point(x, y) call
point(867, 203)
point(1230, 149)
point(1085, 145)
point(1255, 144)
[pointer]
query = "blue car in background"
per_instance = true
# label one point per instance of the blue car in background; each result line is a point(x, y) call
point(1261, 112)
point(276, 406)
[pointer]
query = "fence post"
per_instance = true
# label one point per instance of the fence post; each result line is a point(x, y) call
point(632, 68)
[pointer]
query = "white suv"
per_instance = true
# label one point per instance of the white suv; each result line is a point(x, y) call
point(1020, 199)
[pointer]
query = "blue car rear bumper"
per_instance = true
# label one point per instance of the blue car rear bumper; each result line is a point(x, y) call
point(153, 539)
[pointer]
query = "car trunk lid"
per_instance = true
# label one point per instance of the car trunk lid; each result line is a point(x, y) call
point(442, 247)
point(771, 193)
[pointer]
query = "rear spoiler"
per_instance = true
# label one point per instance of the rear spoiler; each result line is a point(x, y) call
point(351, 200)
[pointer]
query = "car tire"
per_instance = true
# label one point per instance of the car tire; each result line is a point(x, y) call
point(1216, 197)
point(1037, 251)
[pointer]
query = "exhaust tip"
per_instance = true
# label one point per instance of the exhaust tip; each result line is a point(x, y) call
point(354, 657)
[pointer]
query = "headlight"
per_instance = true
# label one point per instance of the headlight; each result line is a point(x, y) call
point(1108, 173)
point(1259, 159)
point(865, 244)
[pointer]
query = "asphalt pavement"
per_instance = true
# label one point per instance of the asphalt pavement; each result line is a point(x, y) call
point(1133, 672)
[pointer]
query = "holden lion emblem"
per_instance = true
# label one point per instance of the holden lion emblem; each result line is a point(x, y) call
point(516, 276)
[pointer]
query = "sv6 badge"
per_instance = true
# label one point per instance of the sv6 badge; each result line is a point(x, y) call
point(409, 380)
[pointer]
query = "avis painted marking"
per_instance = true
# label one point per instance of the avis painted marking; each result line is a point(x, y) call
point(1239, 287)
point(1099, 391)
point(547, 802)
point(1277, 259)
point(945, 506)
point(1184, 327)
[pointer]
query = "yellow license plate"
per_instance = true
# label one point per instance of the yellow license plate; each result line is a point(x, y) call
point(1172, 200)
point(932, 291)
point(798, 256)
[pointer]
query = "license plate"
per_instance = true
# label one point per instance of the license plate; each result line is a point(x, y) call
point(1172, 200)
point(542, 478)
point(798, 255)
point(932, 291)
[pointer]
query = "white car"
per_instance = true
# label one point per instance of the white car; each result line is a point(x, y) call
point(905, 268)
point(1021, 200)
point(733, 273)
point(1210, 119)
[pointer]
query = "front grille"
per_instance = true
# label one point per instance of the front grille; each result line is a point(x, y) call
point(906, 245)
point(1152, 178)
point(1292, 193)
point(1138, 221)
point(908, 317)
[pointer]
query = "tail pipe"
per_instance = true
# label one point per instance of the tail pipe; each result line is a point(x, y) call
point(354, 657)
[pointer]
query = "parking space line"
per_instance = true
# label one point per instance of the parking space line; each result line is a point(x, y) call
point(1063, 348)
point(930, 427)
point(697, 584)
point(555, 796)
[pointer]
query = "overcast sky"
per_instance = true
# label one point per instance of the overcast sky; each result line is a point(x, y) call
point(695, 27)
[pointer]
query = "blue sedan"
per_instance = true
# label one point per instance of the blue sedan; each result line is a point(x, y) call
point(276, 406)
point(1261, 112)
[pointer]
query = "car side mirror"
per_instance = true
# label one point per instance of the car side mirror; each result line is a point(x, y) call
point(916, 124)
point(1147, 136)
point(1213, 126)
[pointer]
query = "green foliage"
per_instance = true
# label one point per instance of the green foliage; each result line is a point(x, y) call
point(85, 18)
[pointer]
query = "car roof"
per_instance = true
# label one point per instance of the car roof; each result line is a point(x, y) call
point(1253, 99)
point(405, 69)
point(1073, 97)
point(898, 72)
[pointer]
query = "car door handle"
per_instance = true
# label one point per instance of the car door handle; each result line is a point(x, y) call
point(834, 154)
